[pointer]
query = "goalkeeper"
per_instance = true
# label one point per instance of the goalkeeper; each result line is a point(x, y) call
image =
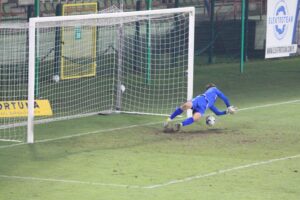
point(199, 105)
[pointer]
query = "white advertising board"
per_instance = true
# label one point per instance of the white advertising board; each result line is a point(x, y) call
point(282, 19)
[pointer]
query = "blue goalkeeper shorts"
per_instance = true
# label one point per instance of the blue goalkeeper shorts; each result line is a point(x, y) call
point(199, 105)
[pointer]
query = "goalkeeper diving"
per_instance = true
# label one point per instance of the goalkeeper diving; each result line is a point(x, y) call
point(199, 105)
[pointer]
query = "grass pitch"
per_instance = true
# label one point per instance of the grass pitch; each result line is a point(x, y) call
point(254, 154)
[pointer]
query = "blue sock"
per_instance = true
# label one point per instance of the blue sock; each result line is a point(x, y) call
point(177, 112)
point(188, 121)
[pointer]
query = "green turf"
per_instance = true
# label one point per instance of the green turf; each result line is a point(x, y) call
point(115, 157)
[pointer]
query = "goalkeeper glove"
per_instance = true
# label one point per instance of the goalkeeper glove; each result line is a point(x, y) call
point(231, 110)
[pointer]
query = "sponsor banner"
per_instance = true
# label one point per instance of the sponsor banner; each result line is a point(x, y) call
point(20, 108)
point(282, 18)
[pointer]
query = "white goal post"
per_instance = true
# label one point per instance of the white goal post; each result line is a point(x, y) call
point(131, 62)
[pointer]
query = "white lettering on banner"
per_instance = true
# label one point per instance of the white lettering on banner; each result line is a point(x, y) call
point(284, 49)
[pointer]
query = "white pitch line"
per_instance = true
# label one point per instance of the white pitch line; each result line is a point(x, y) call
point(139, 125)
point(270, 105)
point(67, 181)
point(83, 134)
point(187, 179)
point(222, 171)
point(172, 182)
point(11, 145)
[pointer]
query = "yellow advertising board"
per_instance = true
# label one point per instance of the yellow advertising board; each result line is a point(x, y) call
point(78, 49)
point(20, 108)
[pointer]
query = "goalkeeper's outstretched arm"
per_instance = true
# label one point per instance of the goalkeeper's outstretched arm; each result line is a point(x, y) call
point(230, 109)
point(223, 97)
point(217, 111)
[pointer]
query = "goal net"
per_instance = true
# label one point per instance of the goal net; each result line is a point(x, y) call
point(13, 81)
point(134, 62)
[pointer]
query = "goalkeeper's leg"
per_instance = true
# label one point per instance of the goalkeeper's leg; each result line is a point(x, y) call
point(178, 111)
point(188, 121)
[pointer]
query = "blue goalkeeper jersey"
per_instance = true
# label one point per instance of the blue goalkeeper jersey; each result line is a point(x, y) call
point(208, 99)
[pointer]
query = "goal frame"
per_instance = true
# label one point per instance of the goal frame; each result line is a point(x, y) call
point(32, 50)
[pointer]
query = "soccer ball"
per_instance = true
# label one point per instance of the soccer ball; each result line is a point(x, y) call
point(55, 78)
point(122, 88)
point(210, 120)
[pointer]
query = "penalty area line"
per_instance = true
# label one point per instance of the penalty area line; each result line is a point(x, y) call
point(222, 171)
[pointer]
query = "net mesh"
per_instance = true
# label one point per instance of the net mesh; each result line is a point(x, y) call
point(127, 64)
point(13, 81)
point(148, 56)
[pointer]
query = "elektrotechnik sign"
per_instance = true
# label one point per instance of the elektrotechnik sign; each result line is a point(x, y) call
point(282, 18)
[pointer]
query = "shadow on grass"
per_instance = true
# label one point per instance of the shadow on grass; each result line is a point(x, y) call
point(196, 132)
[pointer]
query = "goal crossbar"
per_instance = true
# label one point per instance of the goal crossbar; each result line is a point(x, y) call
point(111, 15)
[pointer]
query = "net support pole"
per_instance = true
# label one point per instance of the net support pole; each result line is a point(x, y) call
point(148, 33)
point(120, 63)
point(31, 82)
point(57, 47)
point(190, 72)
point(242, 37)
point(37, 62)
point(120, 66)
point(212, 31)
point(137, 39)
